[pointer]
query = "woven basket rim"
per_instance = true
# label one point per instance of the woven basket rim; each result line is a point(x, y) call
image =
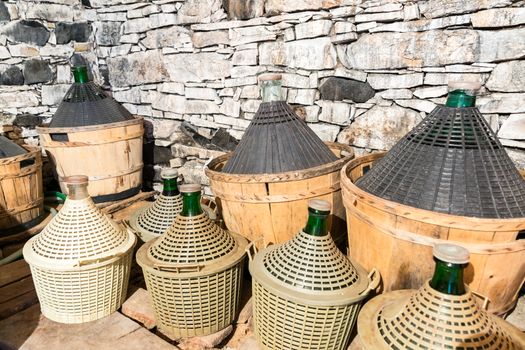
point(218, 265)
point(366, 321)
point(81, 264)
point(345, 296)
point(437, 218)
point(47, 130)
point(303, 174)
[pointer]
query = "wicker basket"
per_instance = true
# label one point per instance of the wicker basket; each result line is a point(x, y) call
point(381, 231)
point(269, 208)
point(307, 294)
point(21, 191)
point(193, 273)
point(428, 319)
point(80, 262)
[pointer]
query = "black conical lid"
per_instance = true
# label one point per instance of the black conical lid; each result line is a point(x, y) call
point(9, 149)
point(85, 103)
point(452, 162)
point(277, 141)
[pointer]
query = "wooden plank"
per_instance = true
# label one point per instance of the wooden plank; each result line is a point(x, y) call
point(17, 304)
point(13, 290)
point(13, 272)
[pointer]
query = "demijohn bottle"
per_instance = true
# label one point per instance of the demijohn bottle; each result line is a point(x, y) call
point(80, 74)
point(451, 261)
point(191, 200)
point(462, 94)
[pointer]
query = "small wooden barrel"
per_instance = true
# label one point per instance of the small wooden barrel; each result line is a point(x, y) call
point(272, 208)
point(21, 192)
point(109, 154)
point(398, 240)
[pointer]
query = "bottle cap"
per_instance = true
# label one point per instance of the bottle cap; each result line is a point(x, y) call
point(464, 85)
point(319, 204)
point(76, 179)
point(270, 76)
point(451, 253)
point(190, 188)
point(169, 173)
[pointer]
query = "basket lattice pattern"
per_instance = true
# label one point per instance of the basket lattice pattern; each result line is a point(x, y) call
point(188, 307)
point(86, 104)
point(276, 141)
point(83, 295)
point(158, 217)
point(433, 320)
point(192, 240)
point(282, 324)
point(312, 264)
point(79, 231)
point(452, 162)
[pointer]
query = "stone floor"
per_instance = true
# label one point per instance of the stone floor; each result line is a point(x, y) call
point(133, 327)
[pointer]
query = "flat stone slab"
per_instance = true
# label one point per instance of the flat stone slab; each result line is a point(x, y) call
point(138, 307)
point(28, 330)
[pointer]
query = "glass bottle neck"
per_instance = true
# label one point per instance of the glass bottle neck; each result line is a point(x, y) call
point(317, 224)
point(448, 278)
point(271, 90)
point(80, 74)
point(169, 187)
point(460, 99)
point(191, 204)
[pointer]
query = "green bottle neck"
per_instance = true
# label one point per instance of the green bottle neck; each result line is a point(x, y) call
point(448, 278)
point(317, 224)
point(169, 187)
point(460, 99)
point(80, 74)
point(191, 204)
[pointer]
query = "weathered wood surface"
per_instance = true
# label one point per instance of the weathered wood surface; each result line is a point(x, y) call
point(17, 291)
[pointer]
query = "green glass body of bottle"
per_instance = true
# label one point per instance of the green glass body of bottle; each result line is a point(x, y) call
point(191, 200)
point(460, 99)
point(451, 261)
point(80, 74)
point(317, 224)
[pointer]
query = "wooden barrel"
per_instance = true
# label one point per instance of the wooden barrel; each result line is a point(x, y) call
point(109, 154)
point(398, 240)
point(21, 192)
point(272, 208)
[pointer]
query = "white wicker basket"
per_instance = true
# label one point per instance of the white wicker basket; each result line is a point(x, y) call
point(307, 294)
point(193, 273)
point(80, 262)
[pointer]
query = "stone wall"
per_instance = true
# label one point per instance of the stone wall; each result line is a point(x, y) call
point(362, 72)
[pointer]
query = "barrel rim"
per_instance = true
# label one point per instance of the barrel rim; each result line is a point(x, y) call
point(47, 130)
point(417, 214)
point(32, 152)
point(216, 175)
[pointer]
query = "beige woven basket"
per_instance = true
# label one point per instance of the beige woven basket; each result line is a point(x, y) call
point(428, 319)
point(193, 273)
point(307, 294)
point(80, 262)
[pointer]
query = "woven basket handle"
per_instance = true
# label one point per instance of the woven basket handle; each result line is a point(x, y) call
point(486, 300)
point(251, 250)
point(98, 260)
point(180, 268)
point(374, 277)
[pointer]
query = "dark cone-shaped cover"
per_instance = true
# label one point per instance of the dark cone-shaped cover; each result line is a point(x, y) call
point(277, 141)
point(86, 104)
point(427, 319)
point(10, 149)
point(452, 162)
